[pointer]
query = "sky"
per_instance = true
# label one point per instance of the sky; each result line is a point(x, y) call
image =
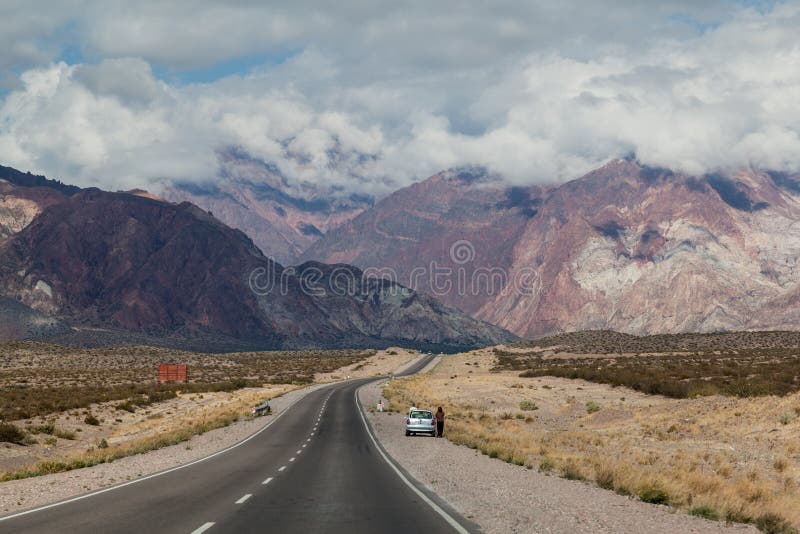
point(369, 96)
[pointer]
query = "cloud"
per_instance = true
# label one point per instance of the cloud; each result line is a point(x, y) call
point(130, 80)
point(371, 96)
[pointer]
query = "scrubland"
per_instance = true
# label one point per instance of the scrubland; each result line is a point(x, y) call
point(726, 454)
point(63, 408)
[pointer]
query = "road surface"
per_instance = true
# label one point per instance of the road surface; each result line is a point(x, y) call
point(316, 468)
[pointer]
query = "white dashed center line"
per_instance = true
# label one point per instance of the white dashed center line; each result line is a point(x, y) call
point(291, 459)
point(309, 439)
point(304, 445)
point(203, 528)
point(281, 468)
point(298, 452)
point(243, 499)
point(267, 481)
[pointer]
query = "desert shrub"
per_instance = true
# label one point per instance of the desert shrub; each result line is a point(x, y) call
point(64, 434)
point(103, 444)
point(604, 478)
point(46, 428)
point(786, 418)
point(704, 511)
point(528, 405)
point(546, 465)
point(91, 420)
point(737, 515)
point(571, 471)
point(592, 407)
point(11, 434)
point(774, 524)
point(653, 494)
point(126, 406)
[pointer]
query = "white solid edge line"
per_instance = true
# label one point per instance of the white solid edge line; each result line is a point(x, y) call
point(438, 509)
point(203, 528)
point(267, 481)
point(244, 498)
point(160, 473)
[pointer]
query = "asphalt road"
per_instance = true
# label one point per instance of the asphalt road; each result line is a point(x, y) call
point(315, 469)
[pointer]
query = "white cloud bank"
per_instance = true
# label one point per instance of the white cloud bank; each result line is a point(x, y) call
point(377, 96)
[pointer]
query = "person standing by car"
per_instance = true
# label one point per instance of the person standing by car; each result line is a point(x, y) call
point(439, 422)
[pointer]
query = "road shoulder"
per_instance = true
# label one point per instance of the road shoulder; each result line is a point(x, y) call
point(501, 497)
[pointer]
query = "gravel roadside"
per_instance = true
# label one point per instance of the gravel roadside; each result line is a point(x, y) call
point(18, 495)
point(504, 498)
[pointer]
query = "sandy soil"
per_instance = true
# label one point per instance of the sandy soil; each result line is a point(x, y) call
point(504, 498)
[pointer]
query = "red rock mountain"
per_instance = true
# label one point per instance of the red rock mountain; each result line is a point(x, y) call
point(626, 247)
point(254, 197)
point(458, 220)
point(119, 267)
point(23, 196)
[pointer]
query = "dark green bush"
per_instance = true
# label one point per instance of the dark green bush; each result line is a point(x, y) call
point(11, 434)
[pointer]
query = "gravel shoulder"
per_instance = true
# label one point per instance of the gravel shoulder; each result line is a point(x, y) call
point(503, 498)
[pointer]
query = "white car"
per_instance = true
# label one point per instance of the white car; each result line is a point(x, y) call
point(420, 422)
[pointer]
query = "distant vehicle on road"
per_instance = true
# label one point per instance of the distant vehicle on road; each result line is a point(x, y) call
point(262, 409)
point(420, 422)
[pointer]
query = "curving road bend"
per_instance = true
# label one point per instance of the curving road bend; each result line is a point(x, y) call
point(315, 468)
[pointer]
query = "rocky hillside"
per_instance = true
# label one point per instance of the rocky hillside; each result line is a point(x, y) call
point(23, 196)
point(118, 262)
point(254, 197)
point(626, 247)
point(439, 235)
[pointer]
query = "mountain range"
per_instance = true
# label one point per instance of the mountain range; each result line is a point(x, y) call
point(626, 247)
point(282, 219)
point(95, 267)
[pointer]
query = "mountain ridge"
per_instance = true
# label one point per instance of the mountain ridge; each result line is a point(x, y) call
point(117, 262)
point(626, 247)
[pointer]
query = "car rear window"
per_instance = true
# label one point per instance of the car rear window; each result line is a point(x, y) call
point(421, 414)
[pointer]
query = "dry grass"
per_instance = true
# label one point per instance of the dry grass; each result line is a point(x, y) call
point(106, 454)
point(719, 456)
